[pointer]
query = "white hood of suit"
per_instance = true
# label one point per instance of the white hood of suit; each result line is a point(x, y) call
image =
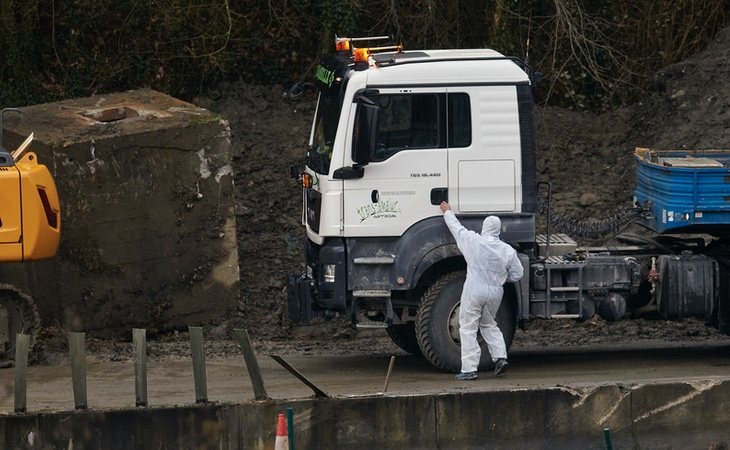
point(491, 226)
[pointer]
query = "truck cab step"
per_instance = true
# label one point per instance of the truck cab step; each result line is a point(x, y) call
point(371, 324)
point(560, 244)
point(565, 316)
point(371, 293)
point(563, 263)
point(565, 289)
point(373, 260)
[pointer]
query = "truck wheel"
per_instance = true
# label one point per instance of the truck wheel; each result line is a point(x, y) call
point(437, 323)
point(404, 336)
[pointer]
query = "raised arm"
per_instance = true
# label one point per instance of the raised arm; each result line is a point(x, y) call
point(462, 235)
point(514, 268)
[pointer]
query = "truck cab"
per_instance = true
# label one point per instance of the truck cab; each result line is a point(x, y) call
point(395, 133)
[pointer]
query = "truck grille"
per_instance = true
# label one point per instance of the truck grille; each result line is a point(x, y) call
point(314, 207)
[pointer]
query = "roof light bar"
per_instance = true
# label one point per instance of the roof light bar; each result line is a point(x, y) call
point(372, 38)
point(397, 48)
point(361, 55)
point(344, 44)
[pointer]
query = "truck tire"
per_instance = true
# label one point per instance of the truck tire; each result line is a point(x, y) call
point(437, 323)
point(404, 336)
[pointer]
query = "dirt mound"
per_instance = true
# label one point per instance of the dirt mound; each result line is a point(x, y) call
point(588, 159)
point(269, 134)
point(691, 105)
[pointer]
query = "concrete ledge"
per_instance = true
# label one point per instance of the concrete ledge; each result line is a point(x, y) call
point(677, 415)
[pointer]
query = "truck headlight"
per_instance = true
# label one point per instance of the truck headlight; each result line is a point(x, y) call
point(328, 274)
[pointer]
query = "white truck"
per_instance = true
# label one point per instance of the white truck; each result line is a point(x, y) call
point(396, 132)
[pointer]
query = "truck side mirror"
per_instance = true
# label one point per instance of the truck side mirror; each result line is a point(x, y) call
point(295, 171)
point(365, 133)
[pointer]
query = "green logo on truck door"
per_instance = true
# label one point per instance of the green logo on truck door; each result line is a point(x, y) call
point(325, 75)
point(386, 209)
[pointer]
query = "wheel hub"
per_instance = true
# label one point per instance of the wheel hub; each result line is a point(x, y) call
point(453, 324)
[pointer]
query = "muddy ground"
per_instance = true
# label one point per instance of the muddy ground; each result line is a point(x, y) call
point(587, 158)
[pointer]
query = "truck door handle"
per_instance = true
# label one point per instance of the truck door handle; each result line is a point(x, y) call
point(439, 195)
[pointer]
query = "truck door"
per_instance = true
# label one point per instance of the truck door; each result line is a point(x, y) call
point(407, 169)
point(484, 152)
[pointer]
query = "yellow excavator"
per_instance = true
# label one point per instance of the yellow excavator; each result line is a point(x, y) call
point(30, 229)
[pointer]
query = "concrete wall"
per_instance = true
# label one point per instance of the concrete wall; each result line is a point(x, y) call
point(148, 220)
point(682, 415)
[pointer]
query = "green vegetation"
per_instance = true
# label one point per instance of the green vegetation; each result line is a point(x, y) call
point(592, 53)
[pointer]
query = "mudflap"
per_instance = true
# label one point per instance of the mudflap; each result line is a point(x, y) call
point(686, 286)
point(299, 299)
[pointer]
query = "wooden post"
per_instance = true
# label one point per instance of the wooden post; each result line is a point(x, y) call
point(139, 340)
point(318, 393)
point(387, 376)
point(77, 346)
point(196, 349)
point(252, 364)
point(22, 343)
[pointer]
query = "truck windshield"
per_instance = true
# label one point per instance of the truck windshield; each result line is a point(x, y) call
point(325, 129)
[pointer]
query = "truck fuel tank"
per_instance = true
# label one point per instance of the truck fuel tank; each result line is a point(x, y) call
point(686, 286)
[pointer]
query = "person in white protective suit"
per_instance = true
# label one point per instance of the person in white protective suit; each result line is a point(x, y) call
point(489, 264)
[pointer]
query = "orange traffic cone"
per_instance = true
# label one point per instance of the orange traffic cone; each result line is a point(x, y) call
point(282, 440)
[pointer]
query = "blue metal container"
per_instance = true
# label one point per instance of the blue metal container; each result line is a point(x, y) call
point(684, 190)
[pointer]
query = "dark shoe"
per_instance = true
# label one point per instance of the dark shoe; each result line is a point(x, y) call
point(500, 366)
point(466, 376)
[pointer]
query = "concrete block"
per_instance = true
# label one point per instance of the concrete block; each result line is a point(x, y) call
point(210, 426)
point(383, 423)
point(539, 418)
point(368, 422)
point(682, 415)
point(19, 431)
point(148, 220)
point(542, 418)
